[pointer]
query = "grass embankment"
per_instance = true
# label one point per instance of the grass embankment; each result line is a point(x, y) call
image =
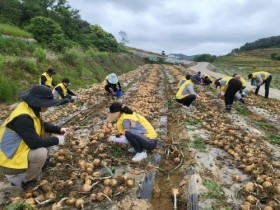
point(9, 30)
point(245, 63)
point(22, 63)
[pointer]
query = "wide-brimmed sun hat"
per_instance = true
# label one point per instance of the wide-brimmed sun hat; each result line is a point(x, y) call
point(112, 78)
point(39, 96)
point(115, 110)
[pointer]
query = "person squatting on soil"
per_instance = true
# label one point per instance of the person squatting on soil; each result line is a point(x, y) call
point(196, 79)
point(46, 78)
point(111, 82)
point(133, 129)
point(242, 92)
point(62, 92)
point(261, 77)
point(229, 86)
point(206, 79)
point(186, 94)
point(22, 137)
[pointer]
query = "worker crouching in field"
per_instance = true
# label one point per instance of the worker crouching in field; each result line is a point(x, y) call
point(111, 83)
point(46, 78)
point(206, 79)
point(134, 129)
point(22, 137)
point(261, 77)
point(62, 92)
point(229, 86)
point(186, 94)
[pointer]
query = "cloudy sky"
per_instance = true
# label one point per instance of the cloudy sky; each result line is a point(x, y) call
point(184, 26)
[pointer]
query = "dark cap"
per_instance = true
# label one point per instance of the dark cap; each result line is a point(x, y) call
point(51, 71)
point(66, 80)
point(39, 96)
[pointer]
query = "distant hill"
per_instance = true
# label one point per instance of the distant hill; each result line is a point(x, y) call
point(270, 42)
point(183, 57)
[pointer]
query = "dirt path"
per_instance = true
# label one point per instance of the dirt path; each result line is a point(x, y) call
point(204, 68)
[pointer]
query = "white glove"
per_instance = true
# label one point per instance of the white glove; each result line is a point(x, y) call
point(64, 131)
point(121, 139)
point(74, 97)
point(60, 139)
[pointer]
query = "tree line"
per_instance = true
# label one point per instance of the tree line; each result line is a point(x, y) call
point(270, 42)
point(57, 26)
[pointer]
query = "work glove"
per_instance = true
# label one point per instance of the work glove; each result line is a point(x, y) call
point(64, 131)
point(242, 94)
point(121, 139)
point(74, 97)
point(61, 139)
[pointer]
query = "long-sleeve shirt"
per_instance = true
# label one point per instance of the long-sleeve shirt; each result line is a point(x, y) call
point(259, 78)
point(60, 92)
point(44, 79)
point(188, 90)
point(113, 86)
point(23, 125)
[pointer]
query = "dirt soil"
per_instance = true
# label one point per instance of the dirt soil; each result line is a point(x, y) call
point(201, 148)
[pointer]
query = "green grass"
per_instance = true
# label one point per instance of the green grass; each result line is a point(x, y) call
point(116, 151)
point(18, 47)
point(20, 206)
point(263, 124)
point(274, 138)
point(198, 143)
point(242, 110)
point(191, 121)
point(214, 190)
point(245, 63)
point(6, 29)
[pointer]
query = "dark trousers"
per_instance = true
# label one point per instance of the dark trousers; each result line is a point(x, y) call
point(207, 81)
point(266, 86)
point(187, 101)
point(108, 87)
point(234, 85)
point(140, 142)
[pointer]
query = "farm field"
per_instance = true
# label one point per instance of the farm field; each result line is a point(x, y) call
point(248, 62)
point(215, 160)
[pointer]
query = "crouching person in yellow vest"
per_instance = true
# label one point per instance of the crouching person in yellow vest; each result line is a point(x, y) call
point(133, 129)
point(62, 92)
point(186, 94)
point(227, 88)
point(206, 79)
point(46, 78)
point(23, 146)
point(111, 83)
point(261, 77)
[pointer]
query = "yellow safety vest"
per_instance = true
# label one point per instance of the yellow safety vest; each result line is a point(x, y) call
point(181, 82)
point(104, 83)
point(48, 81)
point(14, 151)
point(227, 79)
point(137, 118)
point(264, 75)
point(180, 91)
point(207, 75)
point(243, 81)
point(64, 89)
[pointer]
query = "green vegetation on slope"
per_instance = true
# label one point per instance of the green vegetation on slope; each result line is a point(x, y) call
point(6, 29)
point(245, 63)
point(22, 63)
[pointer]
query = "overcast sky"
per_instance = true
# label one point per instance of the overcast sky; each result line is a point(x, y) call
point(184, 26)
